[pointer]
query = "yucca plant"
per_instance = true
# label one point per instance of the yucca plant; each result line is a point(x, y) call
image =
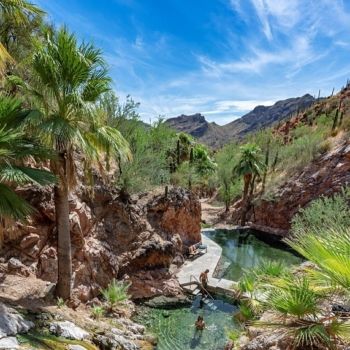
point(116, 293)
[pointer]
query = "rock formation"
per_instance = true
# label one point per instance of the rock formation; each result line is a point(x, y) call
point(110, 239)
point(324, 176)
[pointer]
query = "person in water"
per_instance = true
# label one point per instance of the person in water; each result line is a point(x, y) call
point(203, 279)
point(200, 324)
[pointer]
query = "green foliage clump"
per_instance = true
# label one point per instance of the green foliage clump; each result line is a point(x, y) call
point(97, 312)
point(323, 213)
point(116, 293)
point(297, 299)
point(60, 302)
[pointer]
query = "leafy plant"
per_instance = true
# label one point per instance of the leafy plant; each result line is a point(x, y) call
point(295, 298)
point(60, 302)
point(116, 293)
point(70, 78)
point(16, 149)
point(97, 312)
point(250, 167)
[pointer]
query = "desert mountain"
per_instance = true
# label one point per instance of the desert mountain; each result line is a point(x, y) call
point(215, 135)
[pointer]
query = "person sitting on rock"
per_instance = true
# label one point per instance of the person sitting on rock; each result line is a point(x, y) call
point(203, 279)
point(192, 250)
point(200, 324)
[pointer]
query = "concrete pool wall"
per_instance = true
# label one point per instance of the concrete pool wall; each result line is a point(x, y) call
point(191, 270)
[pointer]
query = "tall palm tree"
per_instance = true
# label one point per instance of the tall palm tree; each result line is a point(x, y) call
point(249, 166)
point(15, 150)
point(71, 78)
point(18, 12)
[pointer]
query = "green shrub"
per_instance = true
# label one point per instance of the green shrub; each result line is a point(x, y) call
point(60, 303)
point(97, 312)
point(116, 293)
point(324, 213)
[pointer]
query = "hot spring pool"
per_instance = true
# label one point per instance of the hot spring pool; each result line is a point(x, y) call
point(175, 328)
point(244, 249)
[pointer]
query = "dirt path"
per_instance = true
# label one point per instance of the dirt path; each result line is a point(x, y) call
point(214, 215)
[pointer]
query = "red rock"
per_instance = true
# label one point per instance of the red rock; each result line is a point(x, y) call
point(325, 176)
point(110, 238)
point(29, 241)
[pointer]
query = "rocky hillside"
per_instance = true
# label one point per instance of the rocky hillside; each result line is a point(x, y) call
point(325, 176)
point(216, 136)
point(135, 240)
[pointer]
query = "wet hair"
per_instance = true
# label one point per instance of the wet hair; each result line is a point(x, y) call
point(200, 318)
point(206, 270)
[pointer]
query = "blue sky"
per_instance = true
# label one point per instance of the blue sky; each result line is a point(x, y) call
point(217, 57)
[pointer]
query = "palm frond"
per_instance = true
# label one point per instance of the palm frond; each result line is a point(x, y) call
point(19, 10)
point(329, 250)
point(22, 175)
point(11, 205)
point(295, 299)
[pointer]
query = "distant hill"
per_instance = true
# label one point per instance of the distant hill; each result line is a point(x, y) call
point(215, 135)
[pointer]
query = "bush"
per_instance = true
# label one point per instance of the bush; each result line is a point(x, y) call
point(116, 293)
point(97, 312)
point(324, 213)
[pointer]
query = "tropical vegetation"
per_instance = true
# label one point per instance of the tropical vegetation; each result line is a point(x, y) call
point(306, 305)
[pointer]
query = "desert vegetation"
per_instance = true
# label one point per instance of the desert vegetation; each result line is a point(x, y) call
point(305, 305)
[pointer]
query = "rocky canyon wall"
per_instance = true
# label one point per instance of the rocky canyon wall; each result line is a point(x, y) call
point(323, 177)
point(111, 238)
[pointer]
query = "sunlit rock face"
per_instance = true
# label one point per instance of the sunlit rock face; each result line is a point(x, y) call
point(177, 213)
point(110, 238)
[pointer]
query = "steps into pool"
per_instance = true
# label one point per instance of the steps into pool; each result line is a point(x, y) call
point(209, 261)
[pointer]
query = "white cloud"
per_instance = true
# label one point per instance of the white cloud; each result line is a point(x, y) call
point(262, 11)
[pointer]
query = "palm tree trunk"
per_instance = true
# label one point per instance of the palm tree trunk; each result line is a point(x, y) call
point(64, 254)
point(245, 200)
point(267, 157)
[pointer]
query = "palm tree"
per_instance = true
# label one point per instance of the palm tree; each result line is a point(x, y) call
point(249, 167)
point(297, 307)
point(18, 12)
point(15, 150)
point(71, 78)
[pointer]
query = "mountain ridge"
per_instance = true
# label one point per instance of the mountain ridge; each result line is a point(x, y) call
point(215, 136)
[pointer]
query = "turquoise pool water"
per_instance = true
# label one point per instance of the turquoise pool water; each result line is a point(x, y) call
point(245, 249)
point(175, 328)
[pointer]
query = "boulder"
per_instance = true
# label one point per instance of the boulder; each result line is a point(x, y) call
point(177, 213)
point(76, 347)
point(12, 322)
point(9, 343)
point(29, 241)
point(149, 284)
point(15, 266)
point(67, 329)
point(164, 302)
point(111, 341)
